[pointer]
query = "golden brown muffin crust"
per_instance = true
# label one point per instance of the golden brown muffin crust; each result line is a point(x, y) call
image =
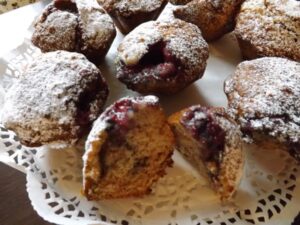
point(213, 17)
point(269, 28)
point(263, 97)
point(55, 100)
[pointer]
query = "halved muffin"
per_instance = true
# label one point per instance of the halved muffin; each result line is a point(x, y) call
point(212, 142)
point(128, 149)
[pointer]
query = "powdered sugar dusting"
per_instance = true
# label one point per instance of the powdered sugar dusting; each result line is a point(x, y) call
point(127, 6)
point(42, 106)
point(271, 26)
point(81, 26)
point(101, 123)
point(54, 27)
point(97, 27)
point(186, 43)
point(213, 17)
point(183, 40)
point(135, 45)
point(264, 95)
point(220, 117)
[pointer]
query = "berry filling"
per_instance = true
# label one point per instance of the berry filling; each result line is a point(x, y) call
point(158, 62)
point(119, 113)
point(204, 128)
point(119, 119)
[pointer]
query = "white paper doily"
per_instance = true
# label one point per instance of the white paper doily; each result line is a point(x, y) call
point(269, 192)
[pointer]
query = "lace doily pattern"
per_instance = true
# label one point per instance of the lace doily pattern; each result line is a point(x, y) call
point(54, 175)
point(269, 190)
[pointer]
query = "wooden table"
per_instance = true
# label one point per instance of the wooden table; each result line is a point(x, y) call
point(15, 207)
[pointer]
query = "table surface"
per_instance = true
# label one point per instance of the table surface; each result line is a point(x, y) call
point(7, 5)
point(15, 207)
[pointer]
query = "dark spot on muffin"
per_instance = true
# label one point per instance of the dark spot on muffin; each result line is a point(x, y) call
point(287, 90)
point(52, 30)
point(88, 97)
point(294, 150)
point(139, 164)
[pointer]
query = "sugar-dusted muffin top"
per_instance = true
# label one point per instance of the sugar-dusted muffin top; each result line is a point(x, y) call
point(162, 57)
point(127, 7)
point(264, 95)
point(270, 27)
point(214, 17)
point(182, 39)
point(56, 99)
point(81, 26)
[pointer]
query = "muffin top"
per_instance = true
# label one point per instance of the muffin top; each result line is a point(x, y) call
point(183, 40)
point(58, 92)
point(131, 6)
point(264, 95)
point(81, 26)
point(273, 26)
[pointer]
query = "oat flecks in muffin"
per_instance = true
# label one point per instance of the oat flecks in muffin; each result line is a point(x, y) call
point(55, 100)
point(264, 95)
point(128, 14)
point(269, 28)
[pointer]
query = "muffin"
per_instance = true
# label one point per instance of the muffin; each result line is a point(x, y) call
point(128, 149)
point(269, 28)
point(56, 99)
point(214, 18)
point(76, 26)
point(128, 14)
point(180, 2)
point(209, 139)
point(162, 57)
point(264, 98)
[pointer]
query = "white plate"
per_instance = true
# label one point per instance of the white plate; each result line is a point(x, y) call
point(269, 190)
